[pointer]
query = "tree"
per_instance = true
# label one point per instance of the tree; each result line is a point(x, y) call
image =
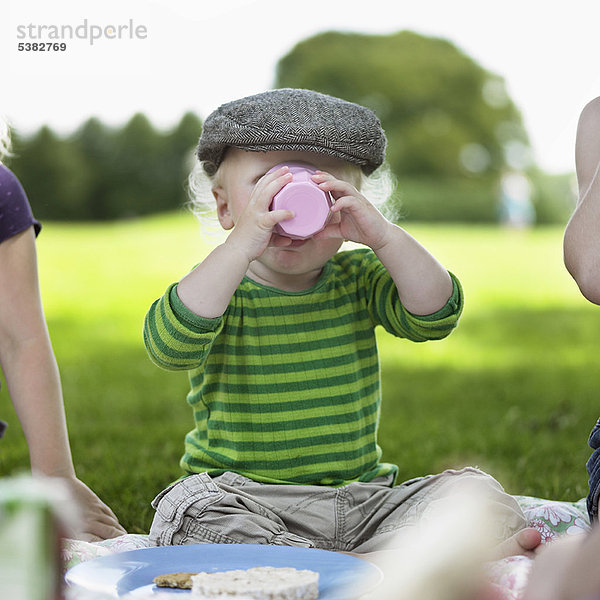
point(54, 175)
point(93, 142)
point(452, 128)
point(444, 115)
point(180, 146)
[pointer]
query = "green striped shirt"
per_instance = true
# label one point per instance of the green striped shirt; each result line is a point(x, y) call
point(285, 385)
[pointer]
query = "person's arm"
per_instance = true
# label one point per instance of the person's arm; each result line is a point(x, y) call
point(33, 380)
point(423, 284)
point(582, 235)
point(207, 290)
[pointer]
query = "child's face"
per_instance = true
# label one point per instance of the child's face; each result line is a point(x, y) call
point(302, 261)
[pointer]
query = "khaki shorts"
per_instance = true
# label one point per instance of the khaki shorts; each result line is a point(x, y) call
point(358, 517)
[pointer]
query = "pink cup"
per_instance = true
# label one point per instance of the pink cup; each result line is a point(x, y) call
point(305, 199)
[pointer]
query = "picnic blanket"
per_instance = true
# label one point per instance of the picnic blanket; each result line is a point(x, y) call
point(509, 575)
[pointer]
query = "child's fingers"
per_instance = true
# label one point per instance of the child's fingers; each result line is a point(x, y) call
point(359, 208)
point(269, 219)
point(338, 187)
point(345, 203)
point(268, 185)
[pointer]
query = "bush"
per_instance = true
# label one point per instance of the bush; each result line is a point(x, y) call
point(453, 200)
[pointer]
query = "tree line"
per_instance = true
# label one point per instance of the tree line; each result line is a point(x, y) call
point(101, 172)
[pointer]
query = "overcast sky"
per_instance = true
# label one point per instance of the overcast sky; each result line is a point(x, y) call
point(164, 57)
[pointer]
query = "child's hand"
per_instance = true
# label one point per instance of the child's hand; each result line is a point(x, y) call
point(424, 286)
point(354, 217)
point(253, 231)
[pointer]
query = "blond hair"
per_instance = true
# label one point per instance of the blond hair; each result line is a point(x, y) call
point(4, 138)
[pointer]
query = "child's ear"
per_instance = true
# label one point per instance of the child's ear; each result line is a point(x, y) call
point(223, 212)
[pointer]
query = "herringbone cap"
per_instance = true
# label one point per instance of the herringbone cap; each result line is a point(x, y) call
point(293, 119)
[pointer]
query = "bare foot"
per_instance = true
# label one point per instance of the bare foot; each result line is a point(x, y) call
point(525, 542)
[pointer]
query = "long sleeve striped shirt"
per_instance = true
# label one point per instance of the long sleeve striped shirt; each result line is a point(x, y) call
point(285, 386)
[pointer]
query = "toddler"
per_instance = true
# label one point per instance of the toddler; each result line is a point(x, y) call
point(278, 337)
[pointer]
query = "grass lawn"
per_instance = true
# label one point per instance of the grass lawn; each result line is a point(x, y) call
point(513, 389)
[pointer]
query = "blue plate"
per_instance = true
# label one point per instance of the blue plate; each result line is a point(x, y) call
point(131, 573)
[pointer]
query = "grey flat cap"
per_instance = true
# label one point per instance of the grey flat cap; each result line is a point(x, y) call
point(293, 119)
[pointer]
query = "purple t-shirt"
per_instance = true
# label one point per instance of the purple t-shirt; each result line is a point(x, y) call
point(15, 212)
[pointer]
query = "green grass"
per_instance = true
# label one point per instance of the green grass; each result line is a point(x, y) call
point(513, 389)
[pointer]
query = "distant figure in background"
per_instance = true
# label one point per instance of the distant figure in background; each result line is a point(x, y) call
point(516, 209)
point(27, 359)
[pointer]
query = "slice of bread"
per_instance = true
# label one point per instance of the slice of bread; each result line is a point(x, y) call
point(258, 583)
